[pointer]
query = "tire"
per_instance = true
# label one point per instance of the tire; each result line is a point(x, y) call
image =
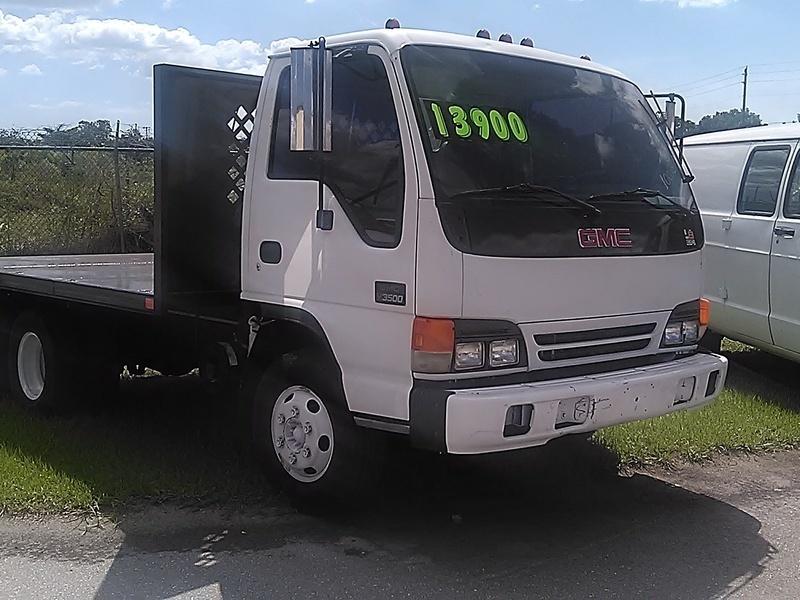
point(38, 372)
point(4, 335)
point(712, 342)
point(333, 460)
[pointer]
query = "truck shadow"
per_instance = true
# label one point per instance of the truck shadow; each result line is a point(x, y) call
point(755, 372)
point(553, 522)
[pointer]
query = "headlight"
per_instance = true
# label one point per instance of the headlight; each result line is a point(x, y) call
point(503, 353)
point(673, 334)
point(691, 331)
point(469, 355)
point(684, 325)
point(475, 345)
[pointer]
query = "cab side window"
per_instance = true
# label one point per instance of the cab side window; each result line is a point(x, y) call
point(365, 167)
point(791, 205)
point(762, 179)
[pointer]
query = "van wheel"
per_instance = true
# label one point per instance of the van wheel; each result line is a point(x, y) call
point(38, 376)
point(304, 434)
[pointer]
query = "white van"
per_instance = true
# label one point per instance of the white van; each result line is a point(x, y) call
point(748, 188)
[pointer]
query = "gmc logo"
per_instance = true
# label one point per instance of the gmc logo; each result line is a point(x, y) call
point(595, 237)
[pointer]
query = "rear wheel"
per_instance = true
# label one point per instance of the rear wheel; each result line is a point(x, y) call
point(37, 373)
point(305, 436)
point(50, 371)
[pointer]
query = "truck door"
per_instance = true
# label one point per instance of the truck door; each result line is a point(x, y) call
point(785, 267)
point(356, 280)
point(752, 223)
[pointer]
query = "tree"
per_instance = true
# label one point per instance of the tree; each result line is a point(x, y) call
point(720, 121)
point(85, 133)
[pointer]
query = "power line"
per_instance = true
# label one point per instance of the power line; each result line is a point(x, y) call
point(700, 86)
point(779, 71)
point(771, 64)
point(690, 83)
point(774, 80)
point(693, 95)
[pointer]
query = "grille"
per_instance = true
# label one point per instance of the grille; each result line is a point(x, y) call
point(570, 345)
point(572, 337)
point(599, 350)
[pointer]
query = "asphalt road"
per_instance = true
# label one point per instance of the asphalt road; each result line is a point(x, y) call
point(498, 527)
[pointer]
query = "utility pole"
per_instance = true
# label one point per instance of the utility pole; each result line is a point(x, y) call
point(744, 90)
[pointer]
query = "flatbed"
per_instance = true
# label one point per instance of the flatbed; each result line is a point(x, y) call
point(124, 281)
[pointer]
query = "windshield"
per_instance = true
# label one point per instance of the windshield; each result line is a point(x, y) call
point(491, 121)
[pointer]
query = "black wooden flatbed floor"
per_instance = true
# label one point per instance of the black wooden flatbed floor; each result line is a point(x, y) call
point(114, 280)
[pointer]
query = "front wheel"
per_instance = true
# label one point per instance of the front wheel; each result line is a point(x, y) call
point(305, 435)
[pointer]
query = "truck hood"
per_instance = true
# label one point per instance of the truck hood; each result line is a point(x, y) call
point(525, 290)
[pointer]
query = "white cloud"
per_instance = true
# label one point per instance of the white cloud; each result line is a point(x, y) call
point(696, 3)
point(31, 69)
point(64, 5)
point(3, 71)
point(285, 44)
point(134, 44)
point(57, 105)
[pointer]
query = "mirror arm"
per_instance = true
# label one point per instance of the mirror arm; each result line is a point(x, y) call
point(324, 217)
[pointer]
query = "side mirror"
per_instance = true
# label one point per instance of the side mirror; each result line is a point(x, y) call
point(311, 98)
point(669, 116)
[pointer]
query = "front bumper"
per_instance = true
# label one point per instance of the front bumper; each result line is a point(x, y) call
point(472, 421)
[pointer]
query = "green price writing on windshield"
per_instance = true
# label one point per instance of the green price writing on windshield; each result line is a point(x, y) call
point(484, 122)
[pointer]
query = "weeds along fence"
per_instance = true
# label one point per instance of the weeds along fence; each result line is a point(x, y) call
point(75, 200)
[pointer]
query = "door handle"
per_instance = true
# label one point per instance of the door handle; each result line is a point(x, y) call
point(726, 223)
point(784, 232)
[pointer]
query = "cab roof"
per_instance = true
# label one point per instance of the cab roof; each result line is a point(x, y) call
point(394, 39)
point(783, 131)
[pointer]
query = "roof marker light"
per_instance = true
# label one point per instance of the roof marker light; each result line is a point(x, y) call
point(586, 57)
point(506, 37)
point(526, 42)
point(392, 24)
point(483, 33)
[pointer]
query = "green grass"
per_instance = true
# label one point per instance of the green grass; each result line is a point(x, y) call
point(736, 422)
point(133, 454)
point(757, 412)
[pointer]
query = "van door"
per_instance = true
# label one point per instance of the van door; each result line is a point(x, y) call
point(785, 267)
point(752, 223)
point(718, 168)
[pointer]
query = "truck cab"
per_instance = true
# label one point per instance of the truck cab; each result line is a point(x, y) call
point(514, 252)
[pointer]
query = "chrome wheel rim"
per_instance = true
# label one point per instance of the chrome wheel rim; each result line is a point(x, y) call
point(31, 366)
point(302, 434)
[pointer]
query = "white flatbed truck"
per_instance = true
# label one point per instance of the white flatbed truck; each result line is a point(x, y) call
point(479, 245)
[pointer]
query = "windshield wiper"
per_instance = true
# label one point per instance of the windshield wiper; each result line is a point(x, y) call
point(642, 193)
point(527, 189)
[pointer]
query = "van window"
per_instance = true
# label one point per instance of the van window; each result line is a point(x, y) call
point(791, 206)
point(365, 167)
point(762, 178)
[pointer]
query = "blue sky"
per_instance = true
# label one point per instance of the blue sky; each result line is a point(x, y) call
point(64, 60)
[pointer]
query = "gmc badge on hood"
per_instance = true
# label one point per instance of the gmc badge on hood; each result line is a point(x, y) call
point(597, 237)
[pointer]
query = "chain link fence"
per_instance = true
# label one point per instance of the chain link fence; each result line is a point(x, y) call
point(75, 200)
